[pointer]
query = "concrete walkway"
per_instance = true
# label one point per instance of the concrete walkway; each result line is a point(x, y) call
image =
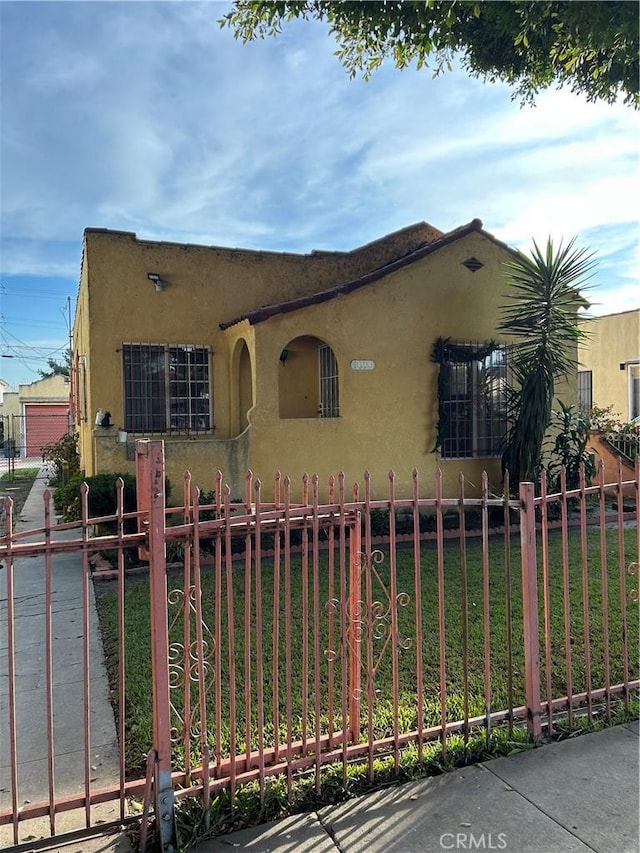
point(30, 660)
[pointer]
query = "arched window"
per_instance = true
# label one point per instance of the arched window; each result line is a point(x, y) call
point(308, 380)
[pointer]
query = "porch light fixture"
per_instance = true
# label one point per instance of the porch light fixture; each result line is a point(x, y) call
point(284, 355)
point(158, 283)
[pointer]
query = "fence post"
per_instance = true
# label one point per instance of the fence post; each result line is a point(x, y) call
point(355, 629)
point(150, 479)
point(531, 626)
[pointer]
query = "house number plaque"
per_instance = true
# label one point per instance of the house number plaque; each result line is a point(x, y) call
point(362, 364)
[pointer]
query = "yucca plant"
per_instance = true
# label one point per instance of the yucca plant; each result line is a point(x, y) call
point(542, 318)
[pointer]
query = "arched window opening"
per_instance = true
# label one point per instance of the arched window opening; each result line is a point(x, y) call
point(308, 384)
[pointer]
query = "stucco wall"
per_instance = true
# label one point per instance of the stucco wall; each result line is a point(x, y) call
point(202, 459)
point(388, 414)
point(613, 340)
point(206, 286)
point(81, 364)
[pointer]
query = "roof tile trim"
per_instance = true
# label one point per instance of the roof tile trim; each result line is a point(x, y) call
point(261, 314)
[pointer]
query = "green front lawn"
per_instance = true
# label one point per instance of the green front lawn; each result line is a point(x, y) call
point(326, 655)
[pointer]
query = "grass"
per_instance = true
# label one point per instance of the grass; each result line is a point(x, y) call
point(17, 485)
point(309, 663)
point(20, 474)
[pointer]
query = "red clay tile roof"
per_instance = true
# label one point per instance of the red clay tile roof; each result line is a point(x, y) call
point(261, 314)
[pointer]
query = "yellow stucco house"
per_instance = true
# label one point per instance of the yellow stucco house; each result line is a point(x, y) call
point(609, 364)
point(270, 361)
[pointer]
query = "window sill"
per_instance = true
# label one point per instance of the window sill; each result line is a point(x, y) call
point(467, 458)
point(158, 436)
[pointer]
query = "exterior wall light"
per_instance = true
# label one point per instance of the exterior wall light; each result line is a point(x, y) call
point(158, 283)
point(284, 355)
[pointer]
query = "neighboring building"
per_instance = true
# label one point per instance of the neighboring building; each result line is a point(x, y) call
point(35, 415)
point(4, 387)
point(320, 363)
point(609, 364)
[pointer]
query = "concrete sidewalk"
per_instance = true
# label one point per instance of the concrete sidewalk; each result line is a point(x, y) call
point(68, 669)
point(575, 796)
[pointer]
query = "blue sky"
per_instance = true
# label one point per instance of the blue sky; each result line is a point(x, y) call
point(148, 117)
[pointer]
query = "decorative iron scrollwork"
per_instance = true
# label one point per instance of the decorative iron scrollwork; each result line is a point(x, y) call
point(185, 664)
point(374, 623)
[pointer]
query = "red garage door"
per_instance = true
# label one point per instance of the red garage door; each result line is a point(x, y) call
point(43, 424)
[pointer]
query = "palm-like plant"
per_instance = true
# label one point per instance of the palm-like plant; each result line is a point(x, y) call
point(542, 317)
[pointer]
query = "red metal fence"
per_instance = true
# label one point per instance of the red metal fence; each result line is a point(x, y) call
point(291, 635)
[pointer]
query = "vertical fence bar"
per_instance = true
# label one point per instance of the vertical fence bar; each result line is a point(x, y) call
point(259, 644)
point(507, 585)
point(331, 614)
point(122, 689)
point(486, 607)
point(342, 613)
point(546, 592)
point(275, 642)
point(622, 581)
point(150, 479)
point(604, 591)
point(394, 601)
point(86, 697)
point(11, 664)
point(188, 518)
point(417, 574)
point(287, 631)
point(217, 608)
point(305, 616)
point(228, 557)
point(566, 591)
point(316, 627)
point(530, 608)
point(441, 615)
point(585, 593)
point(355, 630)
point(49, 659)
point(366, 624)
point(247, 625)
point(464, 603)
point(200, 661)
point(637, 490)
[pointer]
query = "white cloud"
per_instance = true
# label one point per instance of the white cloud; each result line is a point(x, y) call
point(623, 298)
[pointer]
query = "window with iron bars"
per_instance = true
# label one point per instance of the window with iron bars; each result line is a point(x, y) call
point(166, 388)
point(329, 391)
point(474, 404)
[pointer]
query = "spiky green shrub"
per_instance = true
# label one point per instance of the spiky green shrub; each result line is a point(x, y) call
point(542, 318)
